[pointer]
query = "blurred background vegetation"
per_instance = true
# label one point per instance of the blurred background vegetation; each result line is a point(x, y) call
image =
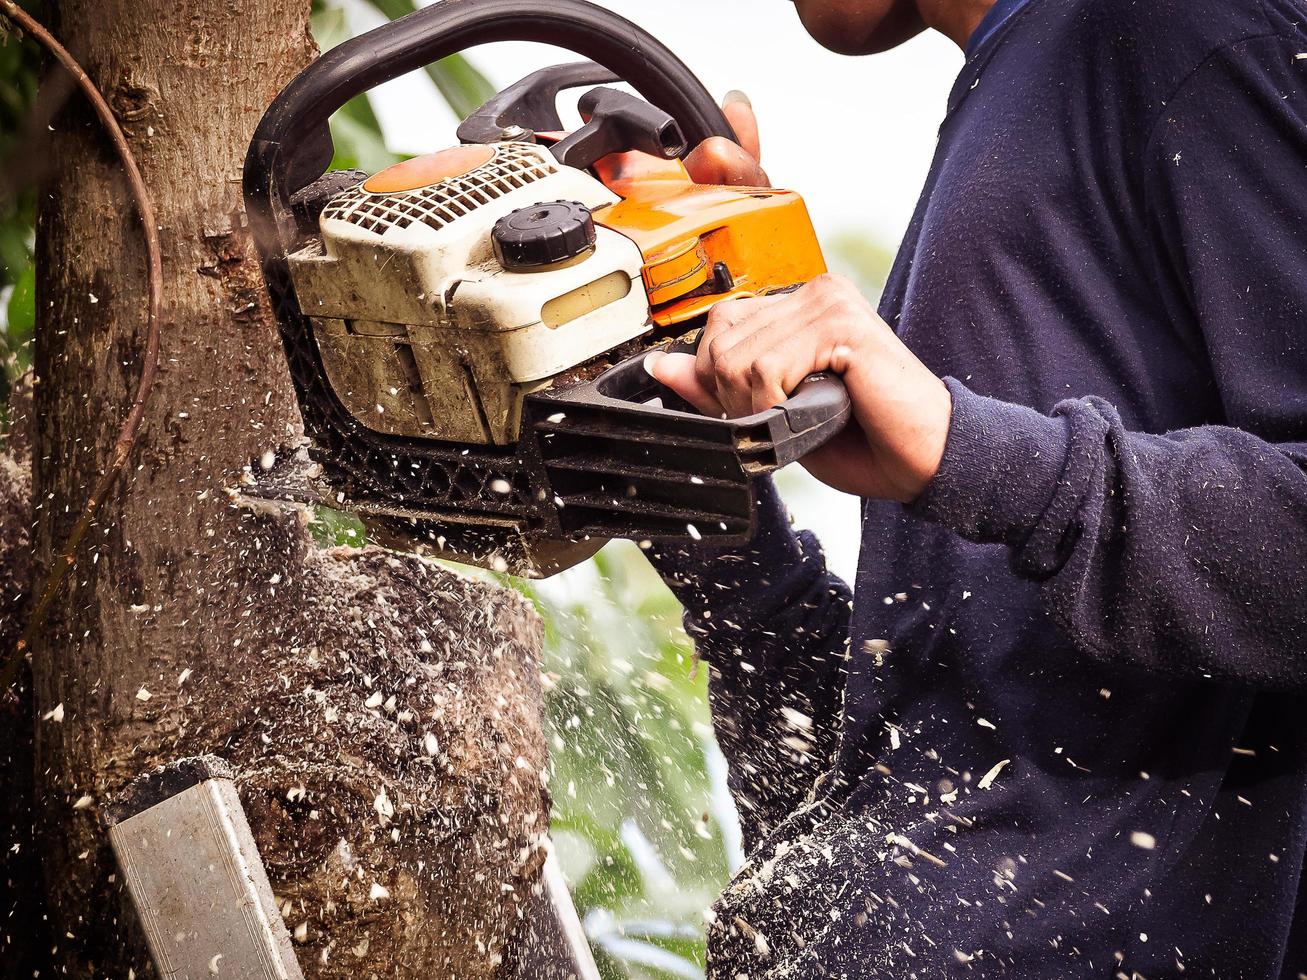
point(19, 65)
point(643, 823)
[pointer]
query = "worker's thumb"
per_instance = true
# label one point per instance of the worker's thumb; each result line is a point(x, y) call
point(739, 113)
point(720, 161)
point(676, 371)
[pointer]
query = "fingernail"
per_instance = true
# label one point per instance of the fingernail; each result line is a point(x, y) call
point(651, 361)
point(736, 96)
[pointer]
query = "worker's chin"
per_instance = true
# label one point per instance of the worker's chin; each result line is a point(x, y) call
point(858, 27)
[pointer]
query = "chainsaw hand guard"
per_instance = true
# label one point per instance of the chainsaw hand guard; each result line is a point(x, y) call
point(292, 146)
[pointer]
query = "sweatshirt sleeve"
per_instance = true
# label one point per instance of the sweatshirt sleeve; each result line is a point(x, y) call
point(772, 624)
point(1186, 551)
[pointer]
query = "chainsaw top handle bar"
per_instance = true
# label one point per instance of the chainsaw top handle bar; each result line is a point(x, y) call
point(292, 146)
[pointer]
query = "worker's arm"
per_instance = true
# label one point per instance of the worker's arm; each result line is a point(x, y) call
point(1184, 552)
point(772, 624)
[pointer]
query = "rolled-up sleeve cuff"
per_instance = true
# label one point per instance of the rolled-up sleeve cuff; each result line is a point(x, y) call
point(1000, 470)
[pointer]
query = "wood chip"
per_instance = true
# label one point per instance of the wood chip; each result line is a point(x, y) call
point(987, 780)
point(1143, 841)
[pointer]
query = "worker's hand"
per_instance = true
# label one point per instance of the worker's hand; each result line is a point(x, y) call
point(719, 161)
point(755, 352)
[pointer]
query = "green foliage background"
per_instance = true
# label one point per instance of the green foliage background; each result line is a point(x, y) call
point(19, 65)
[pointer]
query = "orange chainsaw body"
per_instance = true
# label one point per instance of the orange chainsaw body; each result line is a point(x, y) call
point(763, 238)
point(702, 244)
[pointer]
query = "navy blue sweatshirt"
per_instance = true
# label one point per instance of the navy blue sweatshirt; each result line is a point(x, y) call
point(1062, 729)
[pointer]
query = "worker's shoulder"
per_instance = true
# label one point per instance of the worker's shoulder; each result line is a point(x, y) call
point(1153, 46)
point(1180, 29)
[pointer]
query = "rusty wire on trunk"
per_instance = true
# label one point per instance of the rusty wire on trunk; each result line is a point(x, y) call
point(66, 557)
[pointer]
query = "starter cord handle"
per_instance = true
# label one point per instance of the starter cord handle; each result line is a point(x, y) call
point(292, 146)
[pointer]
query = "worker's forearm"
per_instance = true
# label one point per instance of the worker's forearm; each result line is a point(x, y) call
point(1182, 552)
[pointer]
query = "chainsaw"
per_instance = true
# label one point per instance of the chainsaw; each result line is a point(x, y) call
point(467, 330)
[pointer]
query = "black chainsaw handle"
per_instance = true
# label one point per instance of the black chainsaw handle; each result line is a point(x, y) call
point(292, 146)
point(815, 413)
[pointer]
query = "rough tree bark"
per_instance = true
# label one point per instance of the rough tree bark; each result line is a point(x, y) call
point(385, 713)
point(25, 932)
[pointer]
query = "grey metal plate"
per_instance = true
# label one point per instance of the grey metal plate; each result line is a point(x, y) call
point(200, 890)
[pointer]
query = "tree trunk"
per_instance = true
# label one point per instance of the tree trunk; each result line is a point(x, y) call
point(384, 713)
point(26, 933)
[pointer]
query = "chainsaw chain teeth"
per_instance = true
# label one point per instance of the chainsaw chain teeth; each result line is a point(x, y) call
point(388, 469)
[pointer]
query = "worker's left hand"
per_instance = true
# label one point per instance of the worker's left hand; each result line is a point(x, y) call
point(716, 160)
point(722, 161)
point(755, 352)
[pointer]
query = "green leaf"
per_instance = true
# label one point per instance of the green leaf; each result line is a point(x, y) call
point(15, 241)
point(463, 86)
point(330, 25)
point(393, 9)
point(18, 328)
point(336, 529)
point(20, 313)
point(357, 137)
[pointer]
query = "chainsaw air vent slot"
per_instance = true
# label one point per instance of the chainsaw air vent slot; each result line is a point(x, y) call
point(408, 363)
point(515, 165)
point(629, 474)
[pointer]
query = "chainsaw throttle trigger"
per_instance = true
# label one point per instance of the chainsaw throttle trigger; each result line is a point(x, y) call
point(532, 103)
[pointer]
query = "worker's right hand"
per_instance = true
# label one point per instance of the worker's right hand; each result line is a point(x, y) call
point(719, 161)
point(754, 353)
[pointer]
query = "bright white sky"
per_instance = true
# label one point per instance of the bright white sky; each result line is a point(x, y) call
point(855, 136)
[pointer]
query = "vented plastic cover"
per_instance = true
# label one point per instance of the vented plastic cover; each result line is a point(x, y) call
point(515, 165)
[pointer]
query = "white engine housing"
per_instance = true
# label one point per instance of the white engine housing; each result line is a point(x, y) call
point(423, 333)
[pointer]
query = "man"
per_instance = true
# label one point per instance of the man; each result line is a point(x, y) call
point(1062, 730)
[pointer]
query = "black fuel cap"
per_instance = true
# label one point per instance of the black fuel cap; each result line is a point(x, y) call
point(543, 234)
